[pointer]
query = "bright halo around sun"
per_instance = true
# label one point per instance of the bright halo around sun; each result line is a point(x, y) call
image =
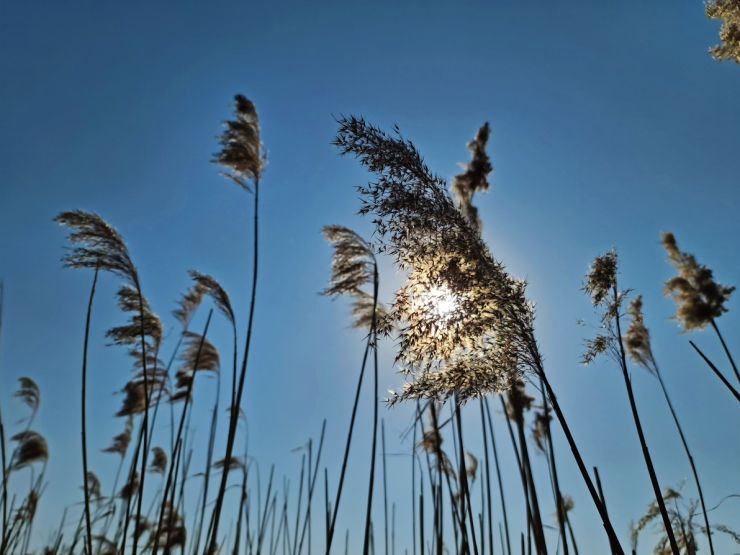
point(441, 302)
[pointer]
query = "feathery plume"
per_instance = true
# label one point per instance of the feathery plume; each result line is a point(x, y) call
point(130, 488)
point(601, 277)
point(728, 12)
point(99, 245)
point(173, 534)
point(188, 304)
point(32, 448)
point(466, 326)
point(199, 355)
point(637, 337)
point(159, 461)
point(121, 441)
point(700, 299)
point(518, 402)
point(209, 286)
point(541, 429)
point(600, 282)
point(566, 505)
point(130, 334)
point(233, 464)
point(29, 393)
point(352, 263)
point(93, 486)
point(134, 400)
point(241, 147)
point(471, 466)
point(475, 177)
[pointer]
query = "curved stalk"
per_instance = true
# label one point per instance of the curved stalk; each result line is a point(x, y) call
point(640, 433)
point(234, 409)
point(83, 410)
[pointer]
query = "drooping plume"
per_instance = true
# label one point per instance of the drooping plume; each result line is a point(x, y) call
point(475, 177)
point(216, 292)
point(29, 393)
point(637, 337)
point(120, 442)
point(728, 12)
point(600, 282)
point(465, 324)
point(159, 461)
point(241, 147)
point(199, 355)
point(352, 268)
point(32, 448)
point(698, 297)
point(98, 245)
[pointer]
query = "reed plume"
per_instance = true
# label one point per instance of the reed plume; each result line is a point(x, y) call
point(200, 355)
point(31, 449)
point(475, 177)
point(94, 486)
point(29, 394)
point(601, 286)
point(465, 325)
point(243, 157)
point(354, 266)
point(699, 298)
point(159, 461)
point(460, 314)
point(638, 346)
point(120, 442)
point(98, 246)
point(728, 12)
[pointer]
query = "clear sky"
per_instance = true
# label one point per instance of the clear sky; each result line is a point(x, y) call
point(610, 123)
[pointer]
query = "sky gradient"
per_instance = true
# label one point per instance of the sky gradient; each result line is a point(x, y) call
point(610, 123)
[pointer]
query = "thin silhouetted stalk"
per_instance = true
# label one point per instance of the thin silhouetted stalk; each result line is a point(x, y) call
point(488, 480)
point(327, 507)
point(520, 467)
point(145, 420)
point(716, 371)
point(209, 461)
point(421, 522)
point(298, 505)
point(417, 421)
point(498, 476)
point(385, 485)
point(463, 473)
point(376, 401)
point(262, 525)
point(242, 506)
point(83, 410)
point(3, 454)
point(393, 529)
point(602, 496)
point(307, 519)
point(726, 349)
point(576, 452)
point(554, 473)
point(343, 471)
point(572, 535)
point(457, 518)
point(685, 444)
point(174, 456)
point(234, 414)
point(640, 433)
point(539, 532)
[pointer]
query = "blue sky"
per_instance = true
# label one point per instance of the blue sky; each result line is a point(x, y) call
point(610, 123)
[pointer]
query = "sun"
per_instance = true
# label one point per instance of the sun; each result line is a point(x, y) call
point(441, 302)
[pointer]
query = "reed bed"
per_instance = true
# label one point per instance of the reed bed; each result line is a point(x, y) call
point(464, 335)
